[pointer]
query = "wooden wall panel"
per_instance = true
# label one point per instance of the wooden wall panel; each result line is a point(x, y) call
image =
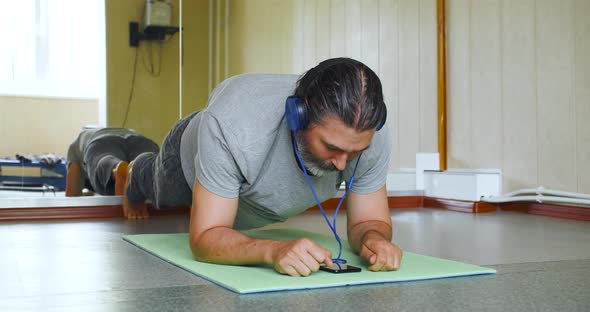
point(323, 31)
point(251, 27)
point(284, 34)
point(409, 102)
point(389, 71)
point(519, 94)
point(556, 113)
point(298, 12)
point(338, 21)
point(459, 84)
point(353, 28)
point(428, 81)
point(370, 34)
point(582, 92)
point(309, 34)
point(486, 131)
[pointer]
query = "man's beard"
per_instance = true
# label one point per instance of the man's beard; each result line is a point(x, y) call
point(314, 166)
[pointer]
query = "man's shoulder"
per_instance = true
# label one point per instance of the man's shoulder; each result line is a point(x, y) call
point(251, 106)
point(242, 91)
point(381, 141)
point(255, 79)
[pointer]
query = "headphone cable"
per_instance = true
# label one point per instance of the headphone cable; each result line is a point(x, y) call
point(332, 225)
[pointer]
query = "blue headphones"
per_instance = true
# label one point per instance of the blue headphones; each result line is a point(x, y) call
point(296, 114)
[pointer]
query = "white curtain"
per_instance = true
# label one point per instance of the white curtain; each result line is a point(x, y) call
point(51, 48)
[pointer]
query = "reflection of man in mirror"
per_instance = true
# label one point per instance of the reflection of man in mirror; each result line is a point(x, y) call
point(256, 154)
point(98, 160)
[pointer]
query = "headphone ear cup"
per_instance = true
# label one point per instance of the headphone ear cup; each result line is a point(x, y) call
point(295, 113)
point(302, 113)
point(383, 122)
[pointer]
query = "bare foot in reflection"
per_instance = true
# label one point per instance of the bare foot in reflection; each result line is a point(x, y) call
point(133, 211)
point(120, 177)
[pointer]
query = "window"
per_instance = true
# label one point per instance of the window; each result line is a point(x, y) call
point(52, 48)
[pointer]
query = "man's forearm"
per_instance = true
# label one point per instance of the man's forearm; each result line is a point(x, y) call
point(74, 180)
point(227, 246)
point(358, 233)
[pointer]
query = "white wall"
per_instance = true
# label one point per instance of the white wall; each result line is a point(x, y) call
point(518, 75)
point(43, 125)
point(519, 81)
point(397, 39)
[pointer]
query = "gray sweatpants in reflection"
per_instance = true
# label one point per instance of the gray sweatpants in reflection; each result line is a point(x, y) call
point(158, 177)
point(105, 152)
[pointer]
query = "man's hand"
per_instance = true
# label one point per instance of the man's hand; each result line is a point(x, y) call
point(370, 230)
point(299, 257)
point(381, 254)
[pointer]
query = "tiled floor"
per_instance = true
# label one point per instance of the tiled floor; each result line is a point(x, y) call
point(543, 265)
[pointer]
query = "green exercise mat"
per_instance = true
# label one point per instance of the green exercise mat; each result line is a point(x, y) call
point(175, 249)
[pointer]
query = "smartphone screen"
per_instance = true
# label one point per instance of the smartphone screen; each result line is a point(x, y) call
point(339, 268)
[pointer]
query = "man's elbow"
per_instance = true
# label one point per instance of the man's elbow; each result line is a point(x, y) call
point(201, 247)
point(198, 248)
point(200, 255)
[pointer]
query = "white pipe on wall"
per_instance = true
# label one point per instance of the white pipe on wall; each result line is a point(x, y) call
point(540, 195)
point(537, 198)
point(543, 191)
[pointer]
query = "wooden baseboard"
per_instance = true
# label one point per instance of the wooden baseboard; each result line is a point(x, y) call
point(482, 207)
point(449, 204)
point(550, 210)
point(459, 205)
point(395, 202)
point(83, 212)
point(405, 201)
point(18, 214)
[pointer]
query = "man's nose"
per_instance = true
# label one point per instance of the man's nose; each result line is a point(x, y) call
point(340, 161)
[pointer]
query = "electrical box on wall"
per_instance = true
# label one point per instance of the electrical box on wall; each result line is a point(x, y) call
point(156, 23)
point(157, 13)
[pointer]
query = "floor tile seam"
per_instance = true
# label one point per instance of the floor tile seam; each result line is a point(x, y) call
point(499, 267)
point(105, 291)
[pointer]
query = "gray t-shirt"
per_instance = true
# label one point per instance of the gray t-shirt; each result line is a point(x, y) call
point(240, 146)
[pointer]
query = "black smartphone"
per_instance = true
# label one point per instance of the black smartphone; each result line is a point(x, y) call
point(339, 268)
